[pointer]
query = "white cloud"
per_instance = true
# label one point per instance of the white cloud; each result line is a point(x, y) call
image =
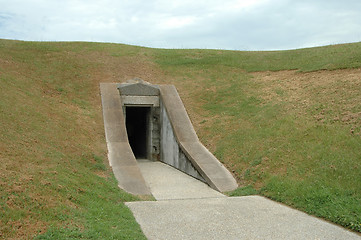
point(170, 22)
point(232, 24)
point(242, 5)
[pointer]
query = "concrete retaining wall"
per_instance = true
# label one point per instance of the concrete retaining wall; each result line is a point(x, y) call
point(120, 155)
point(171, 153)
point(203, 161)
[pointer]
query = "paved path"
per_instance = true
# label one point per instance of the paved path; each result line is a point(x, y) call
point(166, 182)
point(189, 209)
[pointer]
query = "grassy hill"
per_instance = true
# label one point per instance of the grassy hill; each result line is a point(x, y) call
point(286, 123)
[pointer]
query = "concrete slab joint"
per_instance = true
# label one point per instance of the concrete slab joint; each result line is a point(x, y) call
point(153, 124)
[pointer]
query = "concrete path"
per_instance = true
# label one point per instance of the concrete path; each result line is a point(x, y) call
point(250, 217)
point(189, 209)
point(166, 182)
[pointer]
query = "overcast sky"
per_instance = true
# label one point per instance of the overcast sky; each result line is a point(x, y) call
point(216, 24)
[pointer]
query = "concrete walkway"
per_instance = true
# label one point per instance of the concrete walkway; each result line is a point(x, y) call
point(189, 209)
point(167, 183)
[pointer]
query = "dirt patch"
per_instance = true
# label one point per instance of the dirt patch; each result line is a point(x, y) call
point(330, 96)
point(26, 227)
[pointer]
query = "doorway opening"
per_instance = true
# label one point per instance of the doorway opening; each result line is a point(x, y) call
point(137, 124)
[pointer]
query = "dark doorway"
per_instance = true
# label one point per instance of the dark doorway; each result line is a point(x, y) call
point(137, 129)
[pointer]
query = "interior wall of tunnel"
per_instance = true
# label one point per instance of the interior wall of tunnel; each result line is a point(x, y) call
point(142, 124)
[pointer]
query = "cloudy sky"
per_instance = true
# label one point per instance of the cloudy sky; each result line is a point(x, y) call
point(216, 24)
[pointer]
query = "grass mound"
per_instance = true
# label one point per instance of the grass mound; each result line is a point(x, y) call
point(286, 123)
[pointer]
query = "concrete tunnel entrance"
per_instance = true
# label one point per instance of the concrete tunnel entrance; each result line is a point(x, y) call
point(149, 129)
point(158, 129)
point(137, 124)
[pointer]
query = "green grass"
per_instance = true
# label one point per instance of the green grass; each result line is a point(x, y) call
point(310, 59)
point(244, 191)
point(317, 197)
point(102, 215)
point(294, 138)
point(276, 147)
point(54, 179)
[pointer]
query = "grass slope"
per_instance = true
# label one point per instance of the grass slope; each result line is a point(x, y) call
point(53, 180)
point(293, 136)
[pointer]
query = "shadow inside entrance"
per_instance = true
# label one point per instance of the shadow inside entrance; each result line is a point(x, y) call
point(137, 129)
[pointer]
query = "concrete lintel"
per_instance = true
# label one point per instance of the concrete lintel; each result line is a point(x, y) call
point(140, 100)
point(140, 88)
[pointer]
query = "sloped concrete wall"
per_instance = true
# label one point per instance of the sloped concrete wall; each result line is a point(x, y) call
point(120, 155)
point(203, 161)
point(171, 153)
